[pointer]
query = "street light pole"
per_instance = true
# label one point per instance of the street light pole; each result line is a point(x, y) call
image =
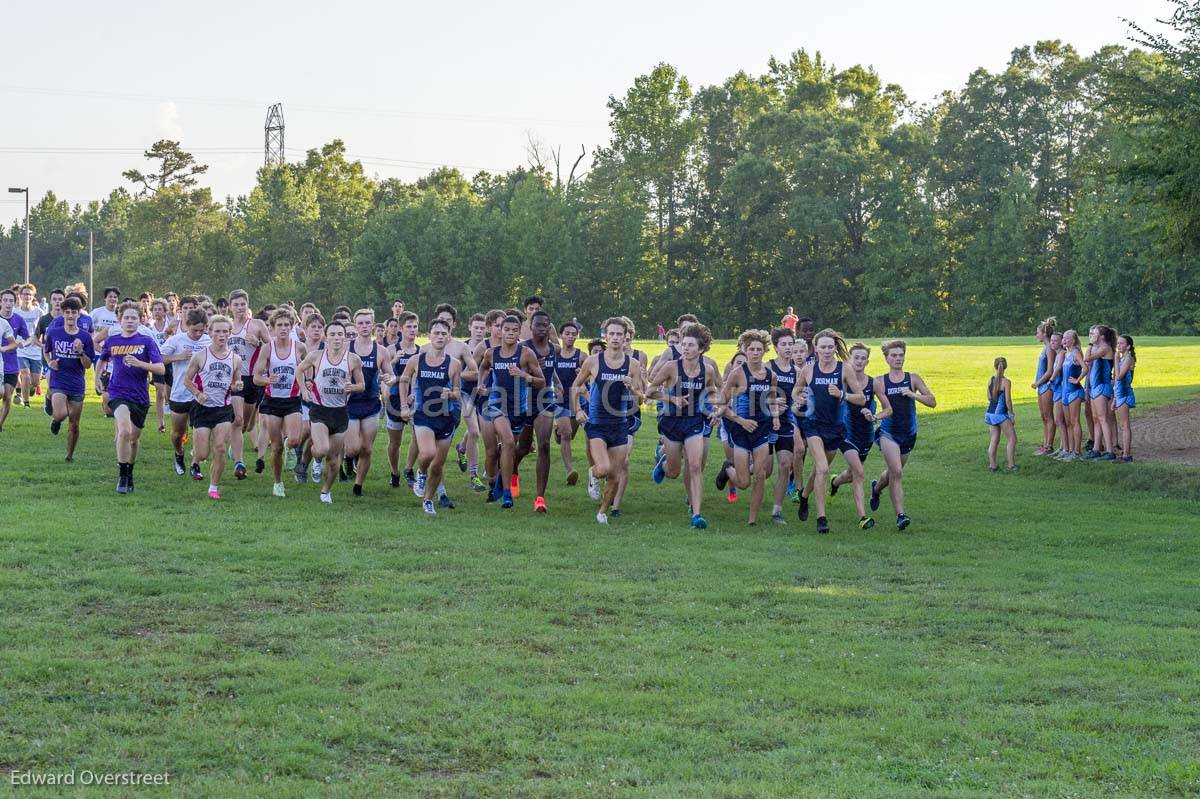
point(91, 260)
point(26, 192)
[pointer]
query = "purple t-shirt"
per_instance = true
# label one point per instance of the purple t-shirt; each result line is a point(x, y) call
point(21, 331)
point(85, 323)
point(129, 382)
point(69, 376)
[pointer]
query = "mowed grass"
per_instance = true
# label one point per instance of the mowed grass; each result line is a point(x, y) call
point(1031, 635)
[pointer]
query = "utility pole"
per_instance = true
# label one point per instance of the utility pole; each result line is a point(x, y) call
point(273, 150)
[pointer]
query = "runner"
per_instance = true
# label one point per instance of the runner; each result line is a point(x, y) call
point(104, 317)
point(781, 444)
point(898, 432)
point(1099, 359)
point(824, 384)
point(1123, 397)
point(546, 406)
point(434, 408)
point(1042, 384)
point(405, 351)
point(363, 407)
point(999, 416)
point(635, 420)
point(14, 326)
point(177, 353)
point(682, 387)
point(789, 320)
point(468, 448)
point(132, 357)
point(510, 371)
point(859, 424)
point(313, 339)
point(43, 326)
point(275, 371)
point(211, 376)
point(566, 368)
point(615, 379)
point(329, 376)
point(248, 334)
point(29, 357)
point(751, 413)
point(69, 353)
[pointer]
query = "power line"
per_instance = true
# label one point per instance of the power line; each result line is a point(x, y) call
point(442, 116)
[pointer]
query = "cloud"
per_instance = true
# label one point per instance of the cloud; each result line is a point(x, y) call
point(168, 121)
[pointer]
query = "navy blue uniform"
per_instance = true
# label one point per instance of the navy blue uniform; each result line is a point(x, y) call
point(610, 404)
point(393, 405)
point(860, 431)
point(824, 411)
point(508, 396)
point(546, 399)
point(752, 404)
point(365, 404)
point(679, 424)
point(432, 409)
point(901, 426)
point(784, 439)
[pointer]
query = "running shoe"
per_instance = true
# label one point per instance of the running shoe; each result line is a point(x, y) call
point(289, 458)
point(802, 511)
point(122, 486)
point(196, 474)
point(601, 518)
point(866, 523)
point(48, 407)
point(477, 484)
point(179, 467)
point(277, 490)
point(239, 470)
point(462, 460)
point(777, 518)
point(874, 495)
point(1108, 456)
point(1089, 444)
point(395, 481)
point(731, 496)
point(507, 500)
point(822, 525)
point(301, 471)
point(318, 469)
point(418, 485)
point(515, 487)
point(902, 521)
point(593, 487)
point(356, 490)
point(614, 512)
point(572, 477)
point(214, 493)
point(259, 465)
point(657, 449)
point(327, 497)
point(539, 505)
point(427, 506)
point(658, 474)
point(410, 477)
point(55, 426)
point(444, 501)
point(699, 522)
point(833, 486)
point(723, 476)
point(162, 428)
point(1013, 468)
point(1091, 455)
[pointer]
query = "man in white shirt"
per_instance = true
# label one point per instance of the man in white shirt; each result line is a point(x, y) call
point(178, 350)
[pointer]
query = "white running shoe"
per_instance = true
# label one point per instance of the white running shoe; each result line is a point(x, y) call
point(601, 518)
point(278, 491)
point(593, 487)
point(317, 471)
point(327, 498)
point(427, 506)
point(419, 486)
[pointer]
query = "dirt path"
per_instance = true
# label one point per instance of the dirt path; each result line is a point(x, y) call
point(1170, 433)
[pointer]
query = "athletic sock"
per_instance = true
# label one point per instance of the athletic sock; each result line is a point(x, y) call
point(776, 509)
point(212, 487)
point(474, 471)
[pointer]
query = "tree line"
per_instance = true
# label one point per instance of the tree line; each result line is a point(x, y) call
point(1063, 184)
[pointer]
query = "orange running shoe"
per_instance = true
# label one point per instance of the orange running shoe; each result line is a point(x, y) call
point(515, 485)
point(539, 505)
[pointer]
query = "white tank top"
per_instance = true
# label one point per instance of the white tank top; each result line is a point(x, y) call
point(239, 344)
point(331, 380)
point(214, 378)
point(282, 372)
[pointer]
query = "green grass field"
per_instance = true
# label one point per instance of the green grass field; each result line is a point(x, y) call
point(1031, 635)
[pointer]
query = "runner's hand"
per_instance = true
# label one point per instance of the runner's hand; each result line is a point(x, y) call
point(749, 425)
point(835, 392)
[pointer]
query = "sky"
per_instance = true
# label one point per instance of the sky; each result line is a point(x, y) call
point(86, 87)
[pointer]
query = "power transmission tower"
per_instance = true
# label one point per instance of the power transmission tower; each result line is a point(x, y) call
point(273, 152)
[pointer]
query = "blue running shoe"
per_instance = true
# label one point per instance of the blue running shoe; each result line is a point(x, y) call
point(698, 522)
point(874, 496)
point(659, 474)
point(445, 502)
point(507, 502)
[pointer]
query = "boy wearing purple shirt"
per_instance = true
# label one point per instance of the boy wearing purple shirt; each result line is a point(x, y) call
point(8, 300)
point(133, 356)
point(69, 353)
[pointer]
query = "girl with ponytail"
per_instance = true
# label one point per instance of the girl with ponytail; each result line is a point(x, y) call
point(999, 416)
point(1123, 399)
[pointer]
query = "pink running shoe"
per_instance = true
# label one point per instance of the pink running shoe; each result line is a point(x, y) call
point(214, 493)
